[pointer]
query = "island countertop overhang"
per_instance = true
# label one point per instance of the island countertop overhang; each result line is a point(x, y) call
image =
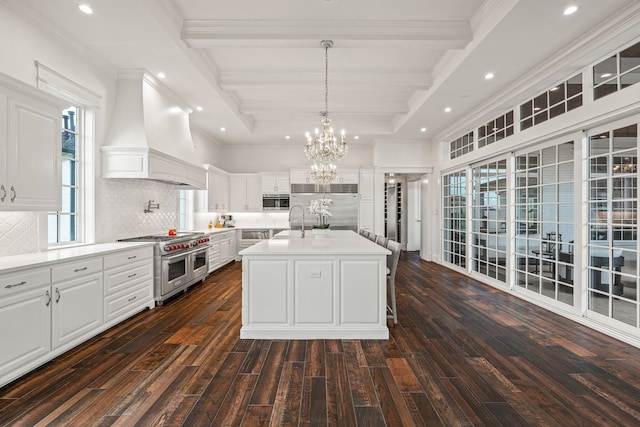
point(336, 242)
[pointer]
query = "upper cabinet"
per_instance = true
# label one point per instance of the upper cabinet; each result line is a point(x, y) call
point(300, 176)
point(347, 176)
point(275, 183)
point(218, 191)
point(30, 148)
point(366, 184)
point(245, 192)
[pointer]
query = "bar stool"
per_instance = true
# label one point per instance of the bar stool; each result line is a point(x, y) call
point(382, 240)
point(392, 266)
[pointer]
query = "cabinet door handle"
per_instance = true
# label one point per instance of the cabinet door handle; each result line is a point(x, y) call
point(13, 190)
point(132, 298)
point(132, 275)
point(133, 257)
point(79, 269)
point(49, 298)
point(15, 284)
point(4, 193)
point(57, 295)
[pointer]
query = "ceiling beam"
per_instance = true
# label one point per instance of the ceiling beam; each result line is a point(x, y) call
point(306, 33)
point(369, 80)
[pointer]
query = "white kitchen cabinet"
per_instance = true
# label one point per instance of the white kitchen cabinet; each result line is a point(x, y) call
point(275, 183)
point(214, 256)
point(245, 192)
point(30, 148)
point(78, 298)
point(218, 191)
point(366, 184)
point(128, 283)
point(228, 248)
point(300, 176)
point(222, 248)
point(366, 202)
point(58, 305)
point(25, 320)
point(347, 176)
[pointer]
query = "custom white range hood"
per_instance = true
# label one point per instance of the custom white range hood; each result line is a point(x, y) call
point(150, 136)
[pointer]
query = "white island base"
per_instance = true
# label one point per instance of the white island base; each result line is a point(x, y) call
point(328, 287)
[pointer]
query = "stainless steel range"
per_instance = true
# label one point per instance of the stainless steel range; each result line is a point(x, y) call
point(179, 261)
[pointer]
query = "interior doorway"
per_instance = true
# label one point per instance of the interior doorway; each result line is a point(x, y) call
point(402, 209)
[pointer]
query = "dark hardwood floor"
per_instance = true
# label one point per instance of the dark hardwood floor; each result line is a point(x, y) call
point(462, 354)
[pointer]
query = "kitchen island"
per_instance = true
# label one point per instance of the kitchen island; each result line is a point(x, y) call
point(316, 287)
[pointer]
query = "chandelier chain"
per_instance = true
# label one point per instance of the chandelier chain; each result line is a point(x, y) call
point(326, 80)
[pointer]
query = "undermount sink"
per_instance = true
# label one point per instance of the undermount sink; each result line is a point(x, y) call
point(288, 234)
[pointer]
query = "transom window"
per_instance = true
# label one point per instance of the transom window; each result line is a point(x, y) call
point(617, 72)
point(462, 145)
point(557, 100)
point(495, 130)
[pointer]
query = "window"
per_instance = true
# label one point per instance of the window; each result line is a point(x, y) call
point(557, 100)
point(63, 225)
point(462, 145)
point(617, 72)
point(497, 129)
point(613, 225)
point(544, 216)
point(489, 216)
point(454, 214)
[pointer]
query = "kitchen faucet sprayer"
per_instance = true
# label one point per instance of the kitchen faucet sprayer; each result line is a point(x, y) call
point(302, 225)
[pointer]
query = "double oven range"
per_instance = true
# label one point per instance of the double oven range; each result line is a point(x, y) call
point(179, 261)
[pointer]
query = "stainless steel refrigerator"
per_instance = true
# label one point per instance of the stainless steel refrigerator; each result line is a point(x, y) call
point(344, 209)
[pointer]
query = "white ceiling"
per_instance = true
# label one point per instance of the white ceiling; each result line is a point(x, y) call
point(257, 67)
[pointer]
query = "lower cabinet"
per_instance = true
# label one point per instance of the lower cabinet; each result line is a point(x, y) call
point(25, 320)
point(222, 249)
point(45, 311)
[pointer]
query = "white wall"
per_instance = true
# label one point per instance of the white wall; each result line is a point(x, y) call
point(401, 154)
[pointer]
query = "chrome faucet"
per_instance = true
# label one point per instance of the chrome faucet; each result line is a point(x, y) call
point(302, 225)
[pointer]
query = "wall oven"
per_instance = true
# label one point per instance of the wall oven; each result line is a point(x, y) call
point(275, 202)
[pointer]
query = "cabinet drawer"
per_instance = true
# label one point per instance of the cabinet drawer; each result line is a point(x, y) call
point(126, 276)
point(127, 257)
point(76, 269)
point(25, 280)
point(120, 304)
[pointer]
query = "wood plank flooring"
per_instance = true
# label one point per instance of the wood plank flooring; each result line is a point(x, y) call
point(463, 354)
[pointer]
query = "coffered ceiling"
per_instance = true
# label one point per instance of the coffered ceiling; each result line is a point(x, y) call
point(256, 67)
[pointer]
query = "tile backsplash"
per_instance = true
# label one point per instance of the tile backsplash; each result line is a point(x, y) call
point(18, 233)
point(120, 208)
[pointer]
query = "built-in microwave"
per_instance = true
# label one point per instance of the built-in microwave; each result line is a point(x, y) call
point(275, 202)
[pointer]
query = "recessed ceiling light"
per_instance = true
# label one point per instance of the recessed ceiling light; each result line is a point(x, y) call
point(161, 75)
point(356, 137)
point(223, 129)
point(489, 76)
point(570, 10)
point(85, 8)
point(447, 109)
point(198, 108)
point(423, 129)
point(175, 109)
point(287, 137)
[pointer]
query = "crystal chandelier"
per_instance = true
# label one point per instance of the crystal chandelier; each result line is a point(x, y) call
point(324, 146)
point(323, 173)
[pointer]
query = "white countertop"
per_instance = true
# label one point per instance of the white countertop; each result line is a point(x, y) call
point(337, 242)
point(41, 259)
